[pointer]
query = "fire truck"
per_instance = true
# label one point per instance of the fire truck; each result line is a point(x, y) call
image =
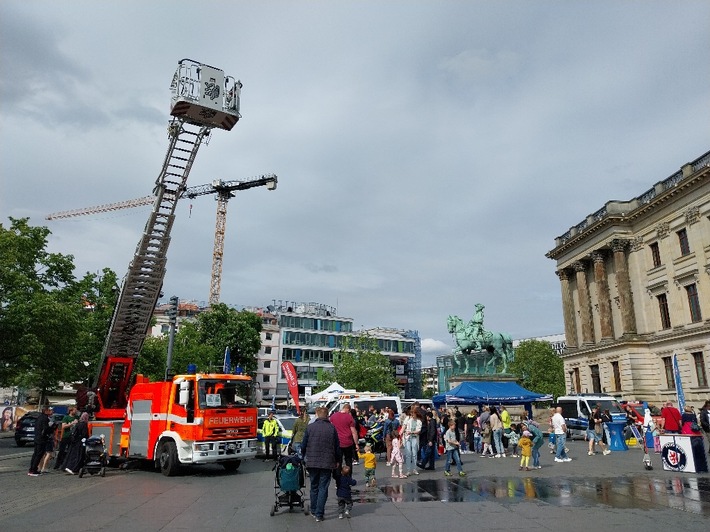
point(195, 418)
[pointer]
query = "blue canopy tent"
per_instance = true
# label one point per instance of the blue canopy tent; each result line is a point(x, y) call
point(489, 393)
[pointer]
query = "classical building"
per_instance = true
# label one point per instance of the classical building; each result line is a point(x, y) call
point(635, 281)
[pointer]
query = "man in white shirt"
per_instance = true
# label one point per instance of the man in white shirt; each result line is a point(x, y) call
point(560, 429)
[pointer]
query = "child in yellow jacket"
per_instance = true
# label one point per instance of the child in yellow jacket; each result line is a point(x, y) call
point(370, 463)
point(525, 444)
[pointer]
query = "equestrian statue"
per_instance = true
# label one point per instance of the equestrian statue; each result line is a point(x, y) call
point(473, 341)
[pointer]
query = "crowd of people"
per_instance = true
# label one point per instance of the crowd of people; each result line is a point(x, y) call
point(331, 445)
point(61, 442)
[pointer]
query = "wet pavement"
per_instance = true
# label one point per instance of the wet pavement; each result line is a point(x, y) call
point(608, 491)
point(643, 492)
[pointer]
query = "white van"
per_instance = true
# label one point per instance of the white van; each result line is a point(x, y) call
point(576, 409)
point(362, 402)
point(426, 403)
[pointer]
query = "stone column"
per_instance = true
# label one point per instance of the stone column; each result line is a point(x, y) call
point(585, 304)
point(600, 279)
point(623, 283)
point(568, 309)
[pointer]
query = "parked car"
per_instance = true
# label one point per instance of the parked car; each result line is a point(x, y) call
point(285, 422)
point(25, 427)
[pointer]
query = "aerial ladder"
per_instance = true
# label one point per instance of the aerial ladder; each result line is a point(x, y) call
point(223, 189)
point(202, 98)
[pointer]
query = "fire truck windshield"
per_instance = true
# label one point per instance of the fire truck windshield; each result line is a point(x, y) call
point(216, 393)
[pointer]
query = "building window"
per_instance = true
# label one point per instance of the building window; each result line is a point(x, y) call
point(164, 328)
point(694, 303)
point(617, 375)
point(268, 336)
point(266, 378)
point(668, 368)
point(267, 364)
point(655, 254)
point(596, 380)
point(699, 361)
point(267, 350)
point(663, 309)
point(577, 381)
point(683, 241)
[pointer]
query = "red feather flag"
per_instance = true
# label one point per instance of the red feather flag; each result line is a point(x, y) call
point(292, 381)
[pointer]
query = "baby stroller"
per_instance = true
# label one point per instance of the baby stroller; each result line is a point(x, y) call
point(289, 483)
point(94, 457)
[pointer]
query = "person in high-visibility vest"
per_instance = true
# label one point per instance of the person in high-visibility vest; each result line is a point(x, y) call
point(270, 430)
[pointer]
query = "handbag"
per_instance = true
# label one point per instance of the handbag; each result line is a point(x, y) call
point(694, 427)
point(598, 428)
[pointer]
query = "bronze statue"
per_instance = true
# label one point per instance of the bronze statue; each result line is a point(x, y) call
point(474, 341)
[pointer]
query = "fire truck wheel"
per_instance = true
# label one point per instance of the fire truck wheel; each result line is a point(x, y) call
point(231, 466)
point(168, 459)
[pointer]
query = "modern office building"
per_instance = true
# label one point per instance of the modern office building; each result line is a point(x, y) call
point(635, 281)
point(310, 333)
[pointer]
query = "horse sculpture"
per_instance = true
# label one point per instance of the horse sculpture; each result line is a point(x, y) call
point(471, 338)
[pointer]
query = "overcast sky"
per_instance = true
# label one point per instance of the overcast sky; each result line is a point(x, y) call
point(428, 153)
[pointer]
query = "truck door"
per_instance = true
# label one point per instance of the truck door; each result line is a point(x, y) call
point(140, 425)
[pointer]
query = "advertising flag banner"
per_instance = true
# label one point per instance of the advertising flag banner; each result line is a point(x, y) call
point(292, 380)
point(678, 383)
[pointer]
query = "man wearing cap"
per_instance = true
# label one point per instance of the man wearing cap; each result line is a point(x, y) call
point(42, 434)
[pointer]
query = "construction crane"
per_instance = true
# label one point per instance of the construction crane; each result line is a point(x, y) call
point(223, 189)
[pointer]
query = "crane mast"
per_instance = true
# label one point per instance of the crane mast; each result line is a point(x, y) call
point(202, 98)
point(225, 191)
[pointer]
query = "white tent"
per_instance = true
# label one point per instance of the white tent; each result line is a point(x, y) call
point(329, 393)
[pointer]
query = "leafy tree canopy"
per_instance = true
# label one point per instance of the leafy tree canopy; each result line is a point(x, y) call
point(203, 342)
point(47, 327)
point(360, 365)
point(539, 368)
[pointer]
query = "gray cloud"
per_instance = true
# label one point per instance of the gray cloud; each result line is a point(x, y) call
point(427, 153)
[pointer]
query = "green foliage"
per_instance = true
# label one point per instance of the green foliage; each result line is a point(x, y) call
point(203, 341)
point(360, 365)
point(539, 368)
point(45, 327)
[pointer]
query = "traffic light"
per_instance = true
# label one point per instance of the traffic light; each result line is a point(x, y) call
point(173, 310)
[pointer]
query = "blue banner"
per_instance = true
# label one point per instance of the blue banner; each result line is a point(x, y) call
point(678, 383)
point(227, 361)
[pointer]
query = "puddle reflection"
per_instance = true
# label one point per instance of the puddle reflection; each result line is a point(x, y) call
point(687, 494)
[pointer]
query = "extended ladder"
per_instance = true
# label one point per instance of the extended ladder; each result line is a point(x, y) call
point(203, 98)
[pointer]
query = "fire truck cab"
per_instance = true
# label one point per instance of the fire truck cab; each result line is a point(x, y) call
point(192, 419)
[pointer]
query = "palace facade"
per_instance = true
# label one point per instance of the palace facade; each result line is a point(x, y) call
point(635, 281)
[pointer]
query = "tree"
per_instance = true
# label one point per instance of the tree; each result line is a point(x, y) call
point(539, 368)
point(40, 308)
point(361, 366)
point(202, 342)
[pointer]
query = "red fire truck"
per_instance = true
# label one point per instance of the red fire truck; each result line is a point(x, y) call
point(194, 418)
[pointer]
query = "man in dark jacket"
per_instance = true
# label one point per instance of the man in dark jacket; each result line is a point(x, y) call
point(322, 453)
point(42, 435)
